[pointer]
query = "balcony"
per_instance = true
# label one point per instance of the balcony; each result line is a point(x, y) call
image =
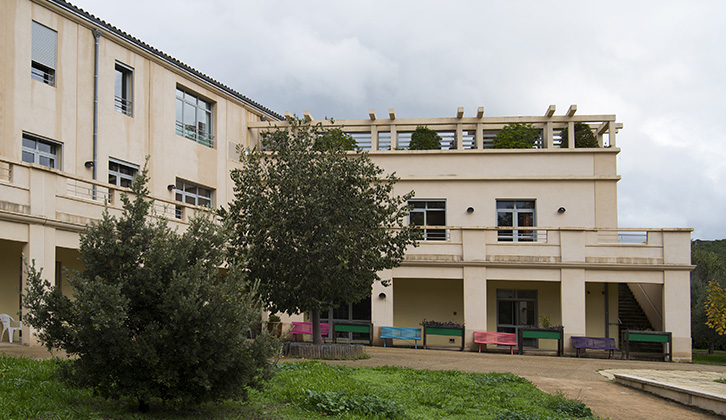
point(35, 194)
point(585, 247)
point(460, 133)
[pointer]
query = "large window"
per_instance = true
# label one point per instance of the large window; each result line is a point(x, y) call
point(193, 194)
point(518, 214)
point(194, 118)
point(429, 213)
point(123, 89)
point(121, 173)
point(43, 61)
point(516, 309)
point(360, 311)
point(41, 151)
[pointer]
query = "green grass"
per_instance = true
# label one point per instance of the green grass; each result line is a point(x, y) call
point(703, 358)
point(304, 390)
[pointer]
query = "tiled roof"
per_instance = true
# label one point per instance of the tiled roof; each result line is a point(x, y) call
point(186, 68)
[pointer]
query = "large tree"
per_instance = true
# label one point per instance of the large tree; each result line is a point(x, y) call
point(315, 222)
point(152, 316)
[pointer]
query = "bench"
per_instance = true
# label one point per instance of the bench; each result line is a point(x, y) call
point(499, 338)
point(595, 343)
point(446, 331)
point(353, 327)
point(301, 328)
point(401, 333)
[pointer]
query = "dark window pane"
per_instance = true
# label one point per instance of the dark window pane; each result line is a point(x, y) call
point(112, 179)
point(505, 204)
point(29, 143)
point(126, 182)
point(46, 161)
point(505, 219)
point(45, 147)
point(28, 157)
point(437, 204)
point(506, 312)
point(525, 204)
point(418, 204)
point(417, 218)
point(436, 218)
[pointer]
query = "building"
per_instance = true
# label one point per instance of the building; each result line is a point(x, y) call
point(511, 235)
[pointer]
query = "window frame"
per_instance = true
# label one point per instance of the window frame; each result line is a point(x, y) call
point(39, 154)
point(182, 192)
point(429, 234)
point(44, 53)
point(518, 298)
point(120, 176)
point(186, 99)
point(123, 103)
point(515, 211)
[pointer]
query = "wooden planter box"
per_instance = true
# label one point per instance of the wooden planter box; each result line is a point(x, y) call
point(546, 333)
point(447, 331)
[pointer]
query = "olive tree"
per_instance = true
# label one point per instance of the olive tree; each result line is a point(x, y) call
point(315, 223)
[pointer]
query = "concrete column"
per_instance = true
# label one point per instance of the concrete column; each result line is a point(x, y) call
point(475, 303)
point(381, 307)
point(572, 292)
point(677, 312)
point(39, 250)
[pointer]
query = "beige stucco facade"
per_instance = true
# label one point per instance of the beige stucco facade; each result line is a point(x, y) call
point(566, 265)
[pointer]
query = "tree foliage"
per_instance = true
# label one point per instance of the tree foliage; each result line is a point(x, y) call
point(517, 136)
point(584, 137)
point(315, 224)
point(708, 258)
point(716, 307)
point(424, 138)
point(152, 316)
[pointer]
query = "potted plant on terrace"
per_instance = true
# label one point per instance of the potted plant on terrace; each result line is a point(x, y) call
point(517, 136)
point(425, 138)
point(274, 326)
point(584, 137)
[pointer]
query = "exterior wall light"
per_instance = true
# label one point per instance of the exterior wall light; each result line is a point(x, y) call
point(89, 164)
point(382, 295)
point(470, 210)
point(170, 187)
point(561, 210)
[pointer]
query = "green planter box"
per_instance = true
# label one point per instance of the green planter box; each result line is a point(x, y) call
point(664, 337)
point(354, 327)
point(543, 333)
point(447, 331)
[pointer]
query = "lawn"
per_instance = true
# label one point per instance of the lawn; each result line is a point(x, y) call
point(702, 357)
point(304, 390)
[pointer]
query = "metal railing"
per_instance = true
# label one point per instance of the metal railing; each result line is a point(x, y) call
point(192, 133)
point(123, 105)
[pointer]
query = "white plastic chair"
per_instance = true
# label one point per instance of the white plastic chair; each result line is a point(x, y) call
point(6, 319)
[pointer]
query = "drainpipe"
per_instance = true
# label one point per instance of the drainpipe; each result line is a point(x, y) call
point(96, 36)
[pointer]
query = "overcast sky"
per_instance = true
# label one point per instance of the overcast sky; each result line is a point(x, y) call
point(660, 66)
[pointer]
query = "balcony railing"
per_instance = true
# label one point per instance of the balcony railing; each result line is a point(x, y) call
point(462, 133)
point(555, 245)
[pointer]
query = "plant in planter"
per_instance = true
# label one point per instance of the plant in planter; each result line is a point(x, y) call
point(274, 325)
point(517, 136)
point(439, 324)
point(425, 138)
point(584, 137)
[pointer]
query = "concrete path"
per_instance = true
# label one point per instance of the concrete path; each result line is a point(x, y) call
point(576, 378)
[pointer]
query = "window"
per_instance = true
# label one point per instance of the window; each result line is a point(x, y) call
point(41, 151)
point(516, 213)
point(429, 213)
point(43, 61)
point(193, 194)
point(516, 309)
point(122, 89)
point(194, 118)
point(121, 173)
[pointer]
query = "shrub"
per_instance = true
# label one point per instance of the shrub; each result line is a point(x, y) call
point(152, 317)
point(584, 137)
point(424, 138)
point(517, 136)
